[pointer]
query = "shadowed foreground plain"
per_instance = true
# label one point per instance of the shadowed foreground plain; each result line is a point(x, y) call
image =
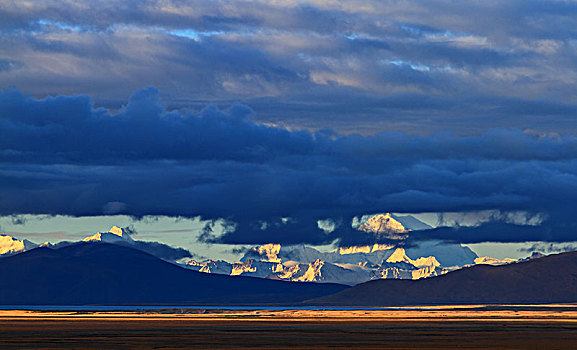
point(435, 328)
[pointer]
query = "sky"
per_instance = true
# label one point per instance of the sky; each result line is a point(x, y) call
point(247, 122)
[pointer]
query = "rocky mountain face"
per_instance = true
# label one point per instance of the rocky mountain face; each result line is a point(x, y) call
point(350, 265)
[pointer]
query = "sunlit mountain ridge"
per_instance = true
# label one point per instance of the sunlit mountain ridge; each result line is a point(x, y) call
point(10, 245)
point(115, 234)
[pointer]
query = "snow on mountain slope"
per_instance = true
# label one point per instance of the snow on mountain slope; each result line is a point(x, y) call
point(399, 265)
point(428, 271)
point(321, 271)
point(211, 266)
point(367, 249)
point(10, 245)
point(426, 262)
point(255, 268)
point(248, 267)
point(486, 260)
point(267, 252)
point(114, 235)
point(399, 256)
point(384, 226)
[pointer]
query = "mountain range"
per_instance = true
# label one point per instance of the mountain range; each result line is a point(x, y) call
point(349, 265)
point(541, 280)
point(116, 235)
point(99, 273)
point(89, 273)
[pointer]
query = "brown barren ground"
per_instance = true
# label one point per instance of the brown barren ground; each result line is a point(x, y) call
point(478, 327)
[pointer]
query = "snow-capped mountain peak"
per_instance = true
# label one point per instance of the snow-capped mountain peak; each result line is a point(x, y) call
point(384, 225)
point(269, 252)
point(313, 273)
point(487, 260)
point(116, 230)
point(115, 234)
point(428, 261)
point(11, 245)
point(398, 256)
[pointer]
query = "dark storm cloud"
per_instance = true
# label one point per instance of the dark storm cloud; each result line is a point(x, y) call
point(468, 106)
point(467, 67)
point(61, 155)
point(551, 230)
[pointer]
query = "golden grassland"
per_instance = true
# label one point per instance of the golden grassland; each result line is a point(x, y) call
point(510, 313)
point(435, 327)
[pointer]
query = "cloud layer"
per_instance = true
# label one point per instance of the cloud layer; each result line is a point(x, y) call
point(438, 106)
point(355, 66)
point(61, 155)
